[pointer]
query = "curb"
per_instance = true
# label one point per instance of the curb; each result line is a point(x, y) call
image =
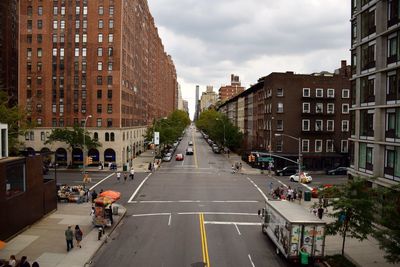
point(104, 240)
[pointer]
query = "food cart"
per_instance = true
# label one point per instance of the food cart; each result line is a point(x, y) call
point(71, 193)
point(103, 208)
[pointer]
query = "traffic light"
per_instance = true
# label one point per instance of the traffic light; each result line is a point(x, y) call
point(249, 158)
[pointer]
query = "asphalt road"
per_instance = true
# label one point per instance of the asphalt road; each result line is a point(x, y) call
point(190, 212)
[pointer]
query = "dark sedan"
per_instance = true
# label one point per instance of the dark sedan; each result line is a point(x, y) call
point(288, 170)
point(337, 171)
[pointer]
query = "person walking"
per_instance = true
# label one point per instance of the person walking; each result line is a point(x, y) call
point(132, 173)
point(125, 176)
point(78, 236)
point(12, 261)
point(270, 187)
point(35, 264)
point(69, 237)
point(94, 195)
point(23, 262)
point(118, 176)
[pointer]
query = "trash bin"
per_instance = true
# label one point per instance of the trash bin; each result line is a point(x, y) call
point(304, 258)
point(125, 168)
point(115, 210)
point(307, 196)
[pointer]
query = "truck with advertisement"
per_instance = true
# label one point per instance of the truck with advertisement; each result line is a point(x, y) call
point(293, 230)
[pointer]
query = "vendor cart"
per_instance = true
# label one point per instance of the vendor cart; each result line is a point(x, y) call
point(103, 212)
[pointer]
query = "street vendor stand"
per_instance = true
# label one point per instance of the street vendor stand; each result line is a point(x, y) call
point(103, 208)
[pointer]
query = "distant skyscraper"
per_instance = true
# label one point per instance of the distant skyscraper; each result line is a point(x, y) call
point(197, 107)
point(208, 98)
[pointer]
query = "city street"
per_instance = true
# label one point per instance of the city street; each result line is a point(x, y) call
point(188, 212)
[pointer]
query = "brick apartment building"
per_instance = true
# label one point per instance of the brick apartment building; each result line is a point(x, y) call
point(375, 107)
point(228, 91)
point(101, 58)
point(314, 108)
point(9, 49)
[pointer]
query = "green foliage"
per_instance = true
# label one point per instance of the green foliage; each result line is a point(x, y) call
point(170, 128)
point(389, 235)
point(216, 125)
point(353, 211)
point(73, 138)
point(15, 117)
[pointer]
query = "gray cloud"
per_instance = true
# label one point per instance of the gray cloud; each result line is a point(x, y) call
point(209, 39)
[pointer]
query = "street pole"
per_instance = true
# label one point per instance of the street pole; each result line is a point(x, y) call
point(84, 145)
point(300, 155)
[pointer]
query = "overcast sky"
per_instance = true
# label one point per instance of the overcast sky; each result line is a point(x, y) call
point(211, 39)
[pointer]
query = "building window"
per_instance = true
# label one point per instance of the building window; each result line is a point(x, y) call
point(344, 148)
point(109, 80)
point(279, 145)
point(98, 122)
point(99, 94)
point(42, 136)
point(368, 26)
point(100, 24)
point(319, 125)
point(367, 123)
point(99, 52)
point(392, 48)
point(392, 162)
point(366, 157)
point(305, 125)
point(76, 51)
point(345, 93)
point(109, 122)
point(109, 94)
point(318, 145)
point(62, 10)
point(99, 65)
point(29, 11)
point(112, 136)
point(329, 146)
point(110, 38)
point(367, 89)
point(319, 92)
point(368, 56)
point(62, 24)
point(393, 12)
point(345, 108)
point(111, 10)
point(100, 37)
point(40, 10)
point(331, 93)
point(84, 50)
point(85, 10)
point(345, 125)
point(109, 108)
point(319, 108)
point(15, 180)
point(392, 86)
point(306, 92)
point(101, 10)
point(306, 107)
point(111, 24)
point(392, 123)
point(55, 10)
point(77, 24)
point(107, 137)
point(39, 24)
point(279, 125)
point(84, 24)
point(330, 125)
point(279, 108)
point(305, 145)
point(330, 108)
point(99, 108)
point(29, 24)
point(110, 66)
point(96, 135)
point(110, 51)
point(76, 38)
point(77, 10)
point(84, 38)
point(279, 92)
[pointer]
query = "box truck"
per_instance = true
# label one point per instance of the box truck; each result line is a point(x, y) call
point(293, 230)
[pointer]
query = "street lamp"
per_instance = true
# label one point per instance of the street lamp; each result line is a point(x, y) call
point(299, 140)
point(223, 123)
point(84, 144)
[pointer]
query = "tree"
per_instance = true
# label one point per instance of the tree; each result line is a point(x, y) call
point(73, 138)
point(15, 117)
point(389, 234)
point(353, 211)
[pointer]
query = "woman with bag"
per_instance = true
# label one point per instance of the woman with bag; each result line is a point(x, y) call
point(78, 236)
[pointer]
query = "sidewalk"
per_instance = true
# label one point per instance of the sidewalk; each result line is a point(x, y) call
point(45, 243)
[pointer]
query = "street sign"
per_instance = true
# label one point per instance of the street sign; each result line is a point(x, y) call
point(265, 159)
point(156, 138)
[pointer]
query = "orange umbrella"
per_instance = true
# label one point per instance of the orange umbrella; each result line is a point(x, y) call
point(111, 194)
point(104, 200)
point(2, 244)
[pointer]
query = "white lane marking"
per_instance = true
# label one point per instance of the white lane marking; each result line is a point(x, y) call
point(151, 214)
point(232, 223)
point(308, 187)
point(217, 213)
point(252, 263)
point(279, 181)
point(137, 189)
point(237, 228)
point(183, 162)
point(169, 220)
point(261, 192)
point(195, 201)
point(101, 181)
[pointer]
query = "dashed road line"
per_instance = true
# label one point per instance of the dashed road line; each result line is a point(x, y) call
point(261, 192)
point(251, 261)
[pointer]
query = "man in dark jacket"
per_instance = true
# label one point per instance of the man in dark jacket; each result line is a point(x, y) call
point(69, 237)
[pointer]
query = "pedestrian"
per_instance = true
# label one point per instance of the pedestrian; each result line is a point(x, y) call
point(294, 194)
point(78, 236)
point(125, 176)
point(290, 193)
point(35, 264)
point(320, 212)
point(93, 213)
point(12, 261)
point(271, 186)
point(23, 262)
point(69, 237)
point(132, 173)
point(233, 168)
point(94, 195)
point(240, 166)
point(118, 176)
point(300, 195)
point(149, 168)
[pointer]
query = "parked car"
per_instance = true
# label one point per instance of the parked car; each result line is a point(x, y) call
point(179, 157)
point(190, 143)
point(216, 149)
point(337, 171)
point(189, 151)
point(288, 170)
point(304, 178)
point(167, 157)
